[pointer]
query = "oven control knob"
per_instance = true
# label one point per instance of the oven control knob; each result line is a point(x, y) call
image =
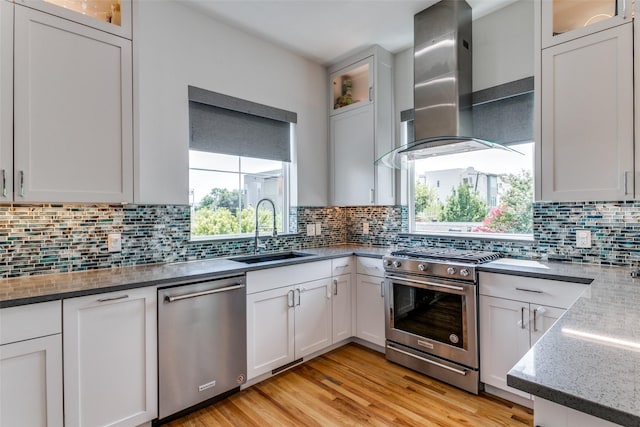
point(422, 267)
point(464, 272)
point(389, 263)
point(396, 264)
point(451, 270)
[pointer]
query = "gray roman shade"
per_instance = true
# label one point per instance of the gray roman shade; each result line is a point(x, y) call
point(227, 125)
point(501, 114)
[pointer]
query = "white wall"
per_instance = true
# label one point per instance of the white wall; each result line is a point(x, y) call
point(503, 45)
point(174, 47)
point(502, 52)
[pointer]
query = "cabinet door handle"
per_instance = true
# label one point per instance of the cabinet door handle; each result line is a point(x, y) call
point(372, 195)
point(21, 183)
point(290, 302)
point(370, 93)
point(624, 11)
point(626, 180)
point(335, 286)
point(4, 183)
point(522, 318)
point(382, 289)
point(298, 292)
point(540, 310)
point(113, 298)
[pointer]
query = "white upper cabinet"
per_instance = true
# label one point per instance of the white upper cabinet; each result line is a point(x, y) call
point(73, 137)
point(6, 101)
point(112, 16)
point(586, 118)
point(351, 87)
point(564, 20)
point(361, 129)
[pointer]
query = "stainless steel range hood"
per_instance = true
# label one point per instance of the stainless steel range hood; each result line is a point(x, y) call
point(443, 121)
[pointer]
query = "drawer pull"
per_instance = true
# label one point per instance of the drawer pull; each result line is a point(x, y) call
point(535, 291)
point(113, 298)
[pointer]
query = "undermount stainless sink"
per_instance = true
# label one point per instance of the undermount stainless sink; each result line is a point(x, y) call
point(274, 256)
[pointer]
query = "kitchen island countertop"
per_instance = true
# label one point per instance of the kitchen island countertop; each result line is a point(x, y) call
point(590, 358)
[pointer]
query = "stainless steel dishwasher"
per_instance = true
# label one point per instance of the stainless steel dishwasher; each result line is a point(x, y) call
point(202, 344)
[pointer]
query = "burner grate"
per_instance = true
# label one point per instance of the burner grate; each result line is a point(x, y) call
point(448, 254)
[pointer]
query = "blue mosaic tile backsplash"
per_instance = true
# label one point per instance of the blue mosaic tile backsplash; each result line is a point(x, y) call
point(38, 239)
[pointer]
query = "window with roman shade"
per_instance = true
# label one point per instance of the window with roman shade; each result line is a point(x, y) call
point(239, 153)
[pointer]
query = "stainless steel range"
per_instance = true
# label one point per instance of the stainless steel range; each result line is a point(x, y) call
point(431, 312)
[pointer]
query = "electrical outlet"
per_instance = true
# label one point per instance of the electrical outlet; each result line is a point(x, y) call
point(311, 229)
point(114, 242)
point(365, 228)
point(318, 229)
point(583, 238)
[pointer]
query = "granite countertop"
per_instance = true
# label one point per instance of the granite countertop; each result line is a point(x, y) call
point(590, 359)
point(49, 287)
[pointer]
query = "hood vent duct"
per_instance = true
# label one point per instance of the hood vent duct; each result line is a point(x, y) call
point(443, 100)
point(442, 73)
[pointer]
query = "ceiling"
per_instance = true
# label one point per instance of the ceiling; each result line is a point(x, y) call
point(327, 31)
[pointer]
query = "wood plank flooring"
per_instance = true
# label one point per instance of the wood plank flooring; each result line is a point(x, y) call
point(353, 386)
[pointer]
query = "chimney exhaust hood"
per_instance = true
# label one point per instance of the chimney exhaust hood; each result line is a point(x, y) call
point(443, 121)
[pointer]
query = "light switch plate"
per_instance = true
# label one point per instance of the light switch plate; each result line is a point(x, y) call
point(114, 242)
point(365, 228)
point(583, 238)
point(311, 229)
point(318, 228)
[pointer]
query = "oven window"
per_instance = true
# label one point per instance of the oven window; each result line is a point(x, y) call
point(438, 316)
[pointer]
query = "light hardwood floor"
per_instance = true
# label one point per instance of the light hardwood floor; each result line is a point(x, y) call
point(354, 386)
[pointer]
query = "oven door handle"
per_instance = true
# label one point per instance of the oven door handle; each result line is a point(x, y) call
point(439, 285)
point(440, 365)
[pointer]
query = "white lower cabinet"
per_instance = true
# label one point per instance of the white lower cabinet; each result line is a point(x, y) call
point(507, 331)
point(31, 365)
point(341, 307)
point(514, 313)
point(289, 316)
point(370, 301)
point(110, 358)
point(550, 414)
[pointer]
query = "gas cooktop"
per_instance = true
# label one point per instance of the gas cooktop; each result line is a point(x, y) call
point(446, 254)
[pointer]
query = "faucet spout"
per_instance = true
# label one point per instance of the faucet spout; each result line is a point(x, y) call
point(275, 231)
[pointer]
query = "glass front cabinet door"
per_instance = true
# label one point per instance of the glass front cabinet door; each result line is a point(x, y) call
point(111, 16)
point(564, 20)
point(351, 87)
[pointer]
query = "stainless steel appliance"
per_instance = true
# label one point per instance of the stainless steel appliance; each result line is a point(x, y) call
point(202, 345)
point(431, 312)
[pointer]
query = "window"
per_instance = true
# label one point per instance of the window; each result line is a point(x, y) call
point(239, 154)
point(486, 191)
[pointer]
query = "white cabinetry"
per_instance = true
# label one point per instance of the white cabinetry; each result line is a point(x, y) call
point(587, 118)
point(110, 358)
point(341, 298)
point(550, 414)
point(6, 100)
point(584, 90)
point(370, 300)
point(31, 365)
point(514, 313)
point(564, 20)
point(112, 16)
point(362, 130)
point(288, 315)
point(73, 138)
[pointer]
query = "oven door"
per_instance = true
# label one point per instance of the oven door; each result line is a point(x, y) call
point(433, 315)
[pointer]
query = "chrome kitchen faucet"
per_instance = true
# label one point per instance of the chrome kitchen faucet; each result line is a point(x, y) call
point(256, 247)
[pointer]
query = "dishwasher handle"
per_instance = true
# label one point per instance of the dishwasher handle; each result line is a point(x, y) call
point(170, 298)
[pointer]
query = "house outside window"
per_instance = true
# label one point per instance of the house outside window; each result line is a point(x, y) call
point(486, 192)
